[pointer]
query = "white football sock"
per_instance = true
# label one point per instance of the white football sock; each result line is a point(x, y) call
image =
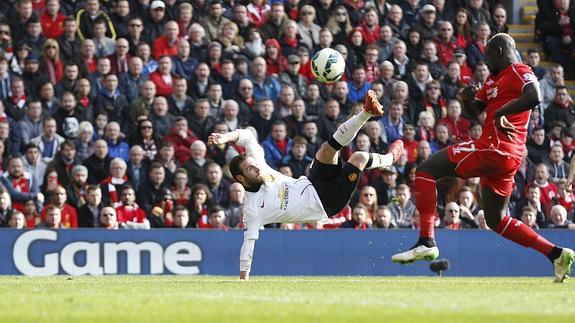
point(347, 131)
point(379, 160)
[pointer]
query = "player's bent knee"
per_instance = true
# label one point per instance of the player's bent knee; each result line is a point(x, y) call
point(359, 159)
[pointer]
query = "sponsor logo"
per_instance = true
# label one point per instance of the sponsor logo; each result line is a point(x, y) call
point(352, 177)
point(100, 258)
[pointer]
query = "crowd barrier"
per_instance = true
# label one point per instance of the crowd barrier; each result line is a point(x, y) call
point(306, 252)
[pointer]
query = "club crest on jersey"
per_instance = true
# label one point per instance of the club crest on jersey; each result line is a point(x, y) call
point(352, 177)
point(529, 77)
point(492, 93)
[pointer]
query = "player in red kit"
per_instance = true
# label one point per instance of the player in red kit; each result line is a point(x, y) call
point(507, 97)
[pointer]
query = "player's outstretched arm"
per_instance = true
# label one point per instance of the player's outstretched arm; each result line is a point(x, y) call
point(246, 256)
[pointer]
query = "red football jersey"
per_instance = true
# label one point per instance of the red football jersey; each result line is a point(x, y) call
point(495, 93)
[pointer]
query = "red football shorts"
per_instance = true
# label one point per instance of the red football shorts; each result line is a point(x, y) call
point(480, 158)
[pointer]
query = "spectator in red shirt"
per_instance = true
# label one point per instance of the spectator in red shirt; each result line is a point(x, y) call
point(69, 217)
point(129, 211)
point(182, 138)
point(359, 217)
point(217, 218)
point(458, 125)
point(199, 205)
point(167, 44)
point(446, 43)
point(53, 218)
point(120, 59)
point(548, 190)
point(275, 61)
point(163, 78)
point(52, 64)
point(52, 20)
point(369, 26)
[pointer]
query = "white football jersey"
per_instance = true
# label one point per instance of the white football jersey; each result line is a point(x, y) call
point(280, 199)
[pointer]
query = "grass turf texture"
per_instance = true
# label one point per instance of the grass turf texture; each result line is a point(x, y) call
point(284, 299)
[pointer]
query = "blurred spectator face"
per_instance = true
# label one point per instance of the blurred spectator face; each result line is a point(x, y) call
point(143, 51)
point(382, 218)
point(312, 91)
point(299, 151)
point(246, 88)
point(101, 121)
point(556, 154)
point(158, 14)
point(68, 102)
point(53, 217)
point(71, 72)
point(52, 7)
point(80, 178)
point(180, 87)
point(157, 175)
point(217, 219)
point(83, 87)
point(356, 38)
point(359, 215)
point(101, 149)
point(403, 196)
point(165, 65)
point(181, 180)
point(409, 132)
point(287, 95)
point(482, 72)
point(160, 106)
point(230, 111)
point(385, 33)
point(136, 155)
point(68, 152)
point(466, 198)
point(183, 49)
point(59, 197)
point(94, 197)
point(171, 30)
point(259, 68)
point(562, 96)
point(452, 212)
point(558, 215)
point(215, 92)
point(265, 109)
point(148, 90)
point(425, 121)
point(31, 66)
point(370, 18)
point(538, 136)
point(24, 10)
point(310, 129)
point(499, 16)
point(332, 109)
point(17, 220)
point(433, 92)
point(528, 217)
point(362, 142)
point(49, 128)
point(216, 11)
point(199, 150)
point(135, 66)
point(122, 8)
point(423, 150)
point(387, 70)
point(166, 153)
point(241, 14)
point(221, 128)
point(442, 133)
point(371, 55)
point(202, 72)
point(359, 75)
point(428, 17)
point(88, 48)
point(373, 130)
point(446, 31)
point(181, 218)
point(368, 196)
point(476, 131)
point(32, 155)
point(279, 132)
point(99, 30)
point(122, 47)
point(454, 110)
point(135, 27)
point(277, 11)
point(395, 14)
point(202, 109)
point(70, 27)
point(476, 4)
point(421, 72)
point(214, 175)
point(341, 90)
point(297, 108)
point(111, 82)
point(16, 168)
point(556, 74)
point(285, 170)
point(453, 71)
point(399, 49)
point(118, 170)
point(541, 174)
point(533, 59)
point(5, 201)
point(326, 39)
point(483, 31)
point(237, 193)
point(228, 70)
point(128, 196)
point(108, 218)
point(181, 125)
point(429, 50)
point(395, 111)
point(103, 66)
point(34, 110)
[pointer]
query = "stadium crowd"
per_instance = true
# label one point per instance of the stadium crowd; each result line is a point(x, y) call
point(106, 106)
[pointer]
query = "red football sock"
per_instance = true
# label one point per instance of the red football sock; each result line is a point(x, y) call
point(426, 202)
point(522, 234)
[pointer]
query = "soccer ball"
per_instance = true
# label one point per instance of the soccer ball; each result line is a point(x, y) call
point(327, 65)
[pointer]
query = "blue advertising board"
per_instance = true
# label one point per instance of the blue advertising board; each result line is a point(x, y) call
point(306, 252)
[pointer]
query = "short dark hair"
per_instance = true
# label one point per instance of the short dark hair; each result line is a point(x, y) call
point(234, 165)
point(217, 208)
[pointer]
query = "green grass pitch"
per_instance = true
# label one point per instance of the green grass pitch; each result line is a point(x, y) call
point(284, 299)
